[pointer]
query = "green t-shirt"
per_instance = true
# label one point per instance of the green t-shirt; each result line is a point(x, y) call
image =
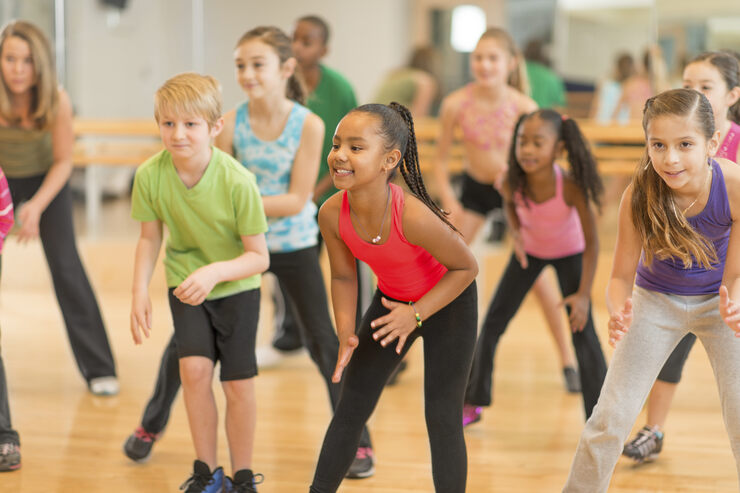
point(547, 87)
point(205, 222)
point(331, 100)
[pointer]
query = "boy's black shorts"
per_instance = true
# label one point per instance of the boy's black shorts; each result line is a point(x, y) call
point(224, 329)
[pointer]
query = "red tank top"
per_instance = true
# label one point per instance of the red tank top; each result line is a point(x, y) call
point(405, 271)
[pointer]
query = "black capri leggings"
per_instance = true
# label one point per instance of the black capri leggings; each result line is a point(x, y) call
point(449, 340)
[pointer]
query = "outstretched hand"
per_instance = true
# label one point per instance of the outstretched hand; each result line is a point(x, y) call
point(729, 310)
point(619, 323)
point(346, 348)
point(399, 323)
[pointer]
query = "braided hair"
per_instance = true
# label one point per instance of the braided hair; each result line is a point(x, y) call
point(397, 130)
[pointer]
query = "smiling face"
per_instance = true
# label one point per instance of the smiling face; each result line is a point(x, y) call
point(678, 151)
point(704, 77)
point(16, 65)
point(491, 63)
point(358, 155)
point(259, 71)
point(537, 145)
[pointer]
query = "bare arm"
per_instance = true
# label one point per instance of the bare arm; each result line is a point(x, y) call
point(441, 164)
point(198, 285)
point(626, 257)
point(303, 174)
point(147, 251)
point(581, 300)
point(62, 136)
point(730, 291)
point(426, 90)
point(343, 282)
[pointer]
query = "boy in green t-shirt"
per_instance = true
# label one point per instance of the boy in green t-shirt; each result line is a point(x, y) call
point(214, 255)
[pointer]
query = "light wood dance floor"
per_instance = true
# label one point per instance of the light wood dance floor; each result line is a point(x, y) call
point(72, 441)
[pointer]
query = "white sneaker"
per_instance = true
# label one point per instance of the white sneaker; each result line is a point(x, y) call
point(104, 386)
point(269, 357)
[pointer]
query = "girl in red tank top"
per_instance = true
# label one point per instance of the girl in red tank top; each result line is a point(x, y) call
point(426, 289)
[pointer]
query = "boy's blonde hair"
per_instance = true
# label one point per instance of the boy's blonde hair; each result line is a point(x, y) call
point(45, 91)
point(190, 94)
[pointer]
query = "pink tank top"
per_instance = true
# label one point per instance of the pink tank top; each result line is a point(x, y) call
point(486, 130)
point(551, 229)
point(405, 271)
point(728, 148)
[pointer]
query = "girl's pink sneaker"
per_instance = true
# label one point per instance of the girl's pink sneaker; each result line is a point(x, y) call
point(471, 414)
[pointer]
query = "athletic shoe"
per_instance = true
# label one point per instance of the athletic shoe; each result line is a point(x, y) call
point(393, 379)
point(203, 480)
point(138, 446)
point(10, 456)
point(471, 414)
point(572, 380)
point(104, 386)
point(364, 464)
point(646, 445)
point(244, 482)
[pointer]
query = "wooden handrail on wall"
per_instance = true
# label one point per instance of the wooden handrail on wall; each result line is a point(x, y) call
point(617, 148)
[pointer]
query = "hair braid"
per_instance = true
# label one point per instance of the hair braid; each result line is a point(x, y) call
point(409, 166)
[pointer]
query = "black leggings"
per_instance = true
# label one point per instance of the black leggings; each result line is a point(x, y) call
point(299, 273)
point(449, 340)
point(80, 310)
point(513, 286)
point(673, 367)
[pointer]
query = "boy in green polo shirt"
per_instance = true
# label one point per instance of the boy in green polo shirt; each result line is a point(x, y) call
point(214, 255)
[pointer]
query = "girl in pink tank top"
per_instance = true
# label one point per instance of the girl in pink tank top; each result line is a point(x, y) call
point(426, 289)
point(552, 222)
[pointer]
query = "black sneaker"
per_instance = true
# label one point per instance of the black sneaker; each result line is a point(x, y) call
point(138, 446)
point(572, 380)
point(10, 456)
point(244, 482)
point(646, 445)
point(203, 480)
point(364, 464)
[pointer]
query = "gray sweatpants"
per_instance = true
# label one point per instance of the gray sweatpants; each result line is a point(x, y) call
point(659, 322)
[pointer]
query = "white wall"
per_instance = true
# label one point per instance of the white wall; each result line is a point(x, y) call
point(113, 70)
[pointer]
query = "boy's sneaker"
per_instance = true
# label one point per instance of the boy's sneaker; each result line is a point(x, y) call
point(471, 414)
point(138, 446)
point(572, 380)
point(10, 456)
point(364, 464)
point(244, 482)
point(645, 446)
point(203, 480)
point(104, 386)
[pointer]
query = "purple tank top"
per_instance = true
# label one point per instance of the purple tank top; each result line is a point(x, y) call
point(669, 275)
point(729, 145)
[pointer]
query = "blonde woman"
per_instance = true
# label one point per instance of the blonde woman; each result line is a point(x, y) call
point(36, 141)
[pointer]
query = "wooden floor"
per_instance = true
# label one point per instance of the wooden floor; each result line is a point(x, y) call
point(71, 441)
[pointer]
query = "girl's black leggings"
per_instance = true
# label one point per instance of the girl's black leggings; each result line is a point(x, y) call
point(449, 340)
point(513, 286)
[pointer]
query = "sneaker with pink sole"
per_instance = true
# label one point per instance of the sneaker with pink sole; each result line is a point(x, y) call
point(471, 414)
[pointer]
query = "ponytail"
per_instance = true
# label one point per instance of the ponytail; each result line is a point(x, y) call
point(397, 130)
point(582, 162)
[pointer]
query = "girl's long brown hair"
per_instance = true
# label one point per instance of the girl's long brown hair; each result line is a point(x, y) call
point(45, 91)
point(664, 231)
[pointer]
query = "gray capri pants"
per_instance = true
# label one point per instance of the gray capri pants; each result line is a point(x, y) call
point(660, 321)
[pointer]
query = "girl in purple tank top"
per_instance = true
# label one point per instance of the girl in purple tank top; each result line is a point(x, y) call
point(715, 74)
point(675, 232)
point(552, 223)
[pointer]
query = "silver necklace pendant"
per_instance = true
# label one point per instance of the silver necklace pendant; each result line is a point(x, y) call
point(376, 240)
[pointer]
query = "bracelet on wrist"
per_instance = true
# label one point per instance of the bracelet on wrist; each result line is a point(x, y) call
point(416, 314)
